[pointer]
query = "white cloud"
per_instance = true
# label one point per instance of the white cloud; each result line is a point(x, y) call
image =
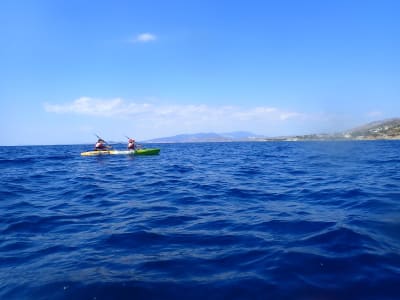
point(290, 115)
point(144, 38)
point(98, 107)
point(118, 107)
point(374, 114)
point(180, 118)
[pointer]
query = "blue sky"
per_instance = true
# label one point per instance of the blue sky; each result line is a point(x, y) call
point(147, 69)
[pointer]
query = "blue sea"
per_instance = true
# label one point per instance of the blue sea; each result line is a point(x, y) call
point(266, 220)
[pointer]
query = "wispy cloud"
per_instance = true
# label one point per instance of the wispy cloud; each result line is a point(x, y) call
point(144, 38)
point(175, 118)
point(97, 107)
point(118, 107)
point(374, 114)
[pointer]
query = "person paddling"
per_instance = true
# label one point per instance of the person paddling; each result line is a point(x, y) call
point(101, 145)
point(131, 144)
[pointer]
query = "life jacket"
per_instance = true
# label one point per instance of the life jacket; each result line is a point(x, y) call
point(100, 146)
point(131, 146)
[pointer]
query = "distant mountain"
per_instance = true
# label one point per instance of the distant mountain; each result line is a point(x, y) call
point(388, 129)
point(207, 137)
point(240, 135)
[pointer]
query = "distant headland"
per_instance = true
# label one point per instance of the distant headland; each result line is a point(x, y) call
point(388, 129)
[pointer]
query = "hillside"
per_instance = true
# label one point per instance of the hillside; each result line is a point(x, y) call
point(207, 137)
point(386, 129)
point(379, 130)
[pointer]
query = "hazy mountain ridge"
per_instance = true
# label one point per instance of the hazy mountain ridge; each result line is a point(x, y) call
point(385, 128)
point(207, 137)
point(388, 129)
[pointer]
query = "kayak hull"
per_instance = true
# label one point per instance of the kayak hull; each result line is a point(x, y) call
point(150, 151)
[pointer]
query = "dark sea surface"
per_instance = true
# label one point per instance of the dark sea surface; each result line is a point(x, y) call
point(295, 220)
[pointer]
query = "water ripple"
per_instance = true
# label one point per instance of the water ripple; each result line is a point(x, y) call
point(202, 221)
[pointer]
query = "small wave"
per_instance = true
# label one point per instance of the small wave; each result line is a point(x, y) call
point(340, 242)
point(233, 221)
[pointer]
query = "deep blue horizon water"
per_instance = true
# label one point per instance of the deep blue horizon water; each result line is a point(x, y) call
point(275, 220)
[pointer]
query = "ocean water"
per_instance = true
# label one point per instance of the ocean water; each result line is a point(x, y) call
point(296, 220)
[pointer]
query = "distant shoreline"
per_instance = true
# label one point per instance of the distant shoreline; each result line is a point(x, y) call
point(379, 130)
point(270, 140)
point(277, 140)
point(333, 139)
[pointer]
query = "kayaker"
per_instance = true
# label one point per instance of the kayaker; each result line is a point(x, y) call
point(131, 144)
point(100, 145)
